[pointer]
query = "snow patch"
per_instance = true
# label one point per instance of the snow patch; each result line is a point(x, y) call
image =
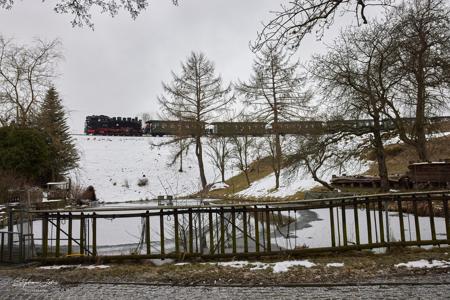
point(219, 186)
point(59, 267)
point(284, 266)
point(335, 265)
point(423, 263)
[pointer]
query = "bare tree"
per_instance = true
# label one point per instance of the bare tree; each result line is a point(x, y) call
point(219, 152)
point(81, 9)
point(355, 76)
point(300, 17)
point(26, 74)
point(322, 154)
point(275, 92)
point(240, 152)
point(422, 31)
point(196, 95)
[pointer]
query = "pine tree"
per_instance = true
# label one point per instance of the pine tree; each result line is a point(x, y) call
point(53, 121)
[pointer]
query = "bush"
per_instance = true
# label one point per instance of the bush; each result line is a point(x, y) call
point(142, 182)
point(24, 152)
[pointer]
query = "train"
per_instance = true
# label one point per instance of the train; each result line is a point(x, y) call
point(104, 125)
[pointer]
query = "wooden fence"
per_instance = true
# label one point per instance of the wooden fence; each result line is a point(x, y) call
point(220, 231)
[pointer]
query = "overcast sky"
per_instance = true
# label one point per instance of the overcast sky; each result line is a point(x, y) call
point(117, 69)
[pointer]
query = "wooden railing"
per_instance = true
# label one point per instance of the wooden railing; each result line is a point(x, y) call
point(219, 231)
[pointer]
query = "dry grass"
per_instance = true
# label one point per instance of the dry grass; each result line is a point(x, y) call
point(399, 155)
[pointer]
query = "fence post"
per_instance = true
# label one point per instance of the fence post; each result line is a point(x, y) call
point(244, 218)
point(356, 219)
point(147, 233)
point(45, 235)
point(446, 215)
point(416, 218)
point(176, 232)
point(69, 242)
point(233, 229)
point(344, 224)
point(94, 234)
point(161, 231)
point(333, 238)
point(400, 219)
point(211, 233)
point(82, 234)
point(256, 230)
point(58, 234)
point(268, 244)
point(432, 225)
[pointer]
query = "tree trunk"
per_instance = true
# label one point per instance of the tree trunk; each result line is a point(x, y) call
point(199, 154)
point(277, 170)
point(381, 157)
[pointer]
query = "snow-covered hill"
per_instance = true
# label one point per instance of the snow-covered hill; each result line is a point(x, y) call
point(114, 166)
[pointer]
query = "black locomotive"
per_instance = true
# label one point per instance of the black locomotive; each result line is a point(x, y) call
point(104, 125)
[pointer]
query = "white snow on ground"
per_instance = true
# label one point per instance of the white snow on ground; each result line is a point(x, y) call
point(335, 265)
point(278, 267)
point(114, 165)
point(283, 266)
point(59, 267)
point(218, 186)
point(420, 264)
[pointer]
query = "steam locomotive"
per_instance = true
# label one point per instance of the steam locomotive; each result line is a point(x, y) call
point(104, 125)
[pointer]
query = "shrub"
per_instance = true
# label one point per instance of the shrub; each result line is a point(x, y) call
point(142, 182)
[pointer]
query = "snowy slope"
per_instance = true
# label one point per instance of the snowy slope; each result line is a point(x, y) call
point(113, 165)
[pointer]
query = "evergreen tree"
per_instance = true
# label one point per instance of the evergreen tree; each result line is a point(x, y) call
point(53, 121)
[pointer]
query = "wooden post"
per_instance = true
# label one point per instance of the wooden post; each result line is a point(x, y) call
point(161, 231)
point(416, 218)
point(176, 229)
point(69, 236)
point(94, 234)
point(82, 234)
point(58, 235)
point(2, 246)
point(355, 214)
point(191, 231)
point(344, 224)
point(369, 222)
point(256, 230)
point(222, 231)
point(147, 233)
point(446, 215)
point(45, 235)
point(244, 224)
point(432, 225)
point(400, 219)
point(211, 233)
point(333, 238)
point(233, 228)
point(380, 220)
point(268, 244)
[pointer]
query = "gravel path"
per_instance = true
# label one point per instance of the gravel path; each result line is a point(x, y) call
point(435, 287)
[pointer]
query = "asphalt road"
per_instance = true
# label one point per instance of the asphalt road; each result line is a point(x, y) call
point(10, 288)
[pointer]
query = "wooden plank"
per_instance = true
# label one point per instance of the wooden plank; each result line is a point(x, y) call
point(176, 227)
point(416, 218)
point(222, 231)
point(431, 212)
point(161, 232)
point(256, 231)
point(355, 216)
point(344, 224)
point(211, 233)
point(45, 235)
point(233, 229)
point(244, 225)
point(446, 215)
point(400, 219)
point(369, 222)
point(58, 235)
point(268, 243)
point(147, 234)
point(380, 220)
point(94, 234)
point(69, 235)
point(191, 232)
point(332, 231)
point(82, 234)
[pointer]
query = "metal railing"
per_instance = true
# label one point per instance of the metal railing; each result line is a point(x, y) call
point(217, 231)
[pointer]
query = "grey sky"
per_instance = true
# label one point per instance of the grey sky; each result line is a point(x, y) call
point(117, 69)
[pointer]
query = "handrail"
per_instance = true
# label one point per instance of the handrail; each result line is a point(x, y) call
point(358, 198)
